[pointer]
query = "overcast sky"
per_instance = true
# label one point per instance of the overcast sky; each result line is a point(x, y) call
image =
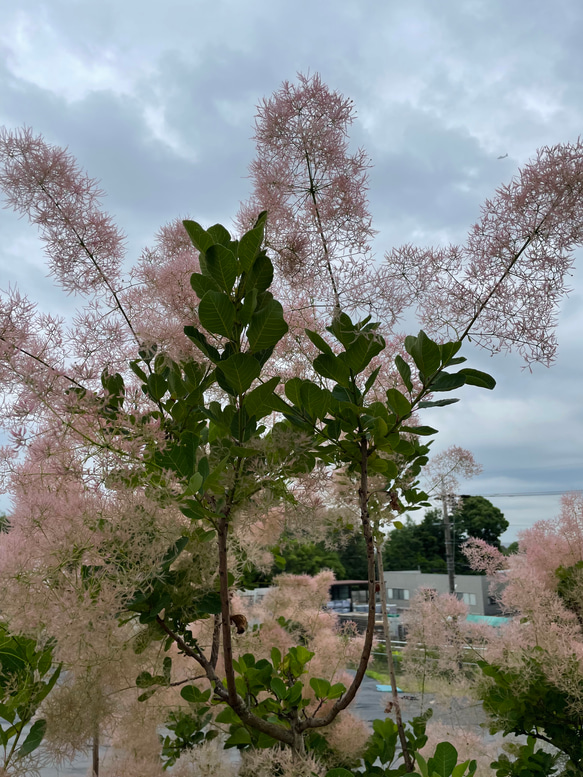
point(157, 101)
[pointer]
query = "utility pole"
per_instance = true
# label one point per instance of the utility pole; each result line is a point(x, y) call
point(449, 549)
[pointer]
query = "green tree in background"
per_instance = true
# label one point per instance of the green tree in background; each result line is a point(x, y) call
point(421, 546)
point(479, 518)
point(353, 558)
point(311, 557)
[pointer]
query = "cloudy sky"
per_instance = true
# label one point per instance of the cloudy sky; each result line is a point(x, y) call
point(157, 101)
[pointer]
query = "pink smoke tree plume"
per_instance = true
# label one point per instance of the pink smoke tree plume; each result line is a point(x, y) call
point(203, 393)
point(533, 665)
point(444, 469)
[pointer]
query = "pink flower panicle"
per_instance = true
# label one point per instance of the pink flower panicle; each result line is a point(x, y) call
point(319, 226)
point(503, 287)
point(483, 557)
point(44, 182)
point(446, 467)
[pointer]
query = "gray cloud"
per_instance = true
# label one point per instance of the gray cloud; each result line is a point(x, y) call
point(158, 102)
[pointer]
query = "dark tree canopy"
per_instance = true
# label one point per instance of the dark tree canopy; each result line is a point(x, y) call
point(310, 558)
point(480, 518)
point(352, 555)
point(415, 546)
point(422, 546)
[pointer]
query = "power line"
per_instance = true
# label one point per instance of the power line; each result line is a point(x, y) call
point(527, 493)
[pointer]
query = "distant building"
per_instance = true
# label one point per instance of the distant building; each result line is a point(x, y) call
point(473, 590)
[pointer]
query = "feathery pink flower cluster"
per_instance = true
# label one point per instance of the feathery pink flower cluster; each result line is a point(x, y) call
point(483, 557)
point(84, 247)
point(502, 288)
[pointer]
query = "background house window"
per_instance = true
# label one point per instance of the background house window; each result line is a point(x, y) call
point(467, 598)
point(397, 593)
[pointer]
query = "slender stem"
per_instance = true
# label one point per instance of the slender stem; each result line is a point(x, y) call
point(95, 752)
point(222, 533)
point(346, 699)
point(321, 231)
point(38, 359)
point(407, 757)
point(216, 643)
point(506, 272)
point(239, 706)
point(93, 261)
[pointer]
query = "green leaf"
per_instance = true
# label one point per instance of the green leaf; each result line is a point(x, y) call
point(292, 390)
point(438, 403)
point(34, 738)
point(194, 484)
point(209, 604)
point(294, 694)
point(421, 430)
point(248, 307)
point(426, 353)
point(447, 381)
point(145, 696)
point(144, 680)
point(339, 771)
point(157, 386)
point(261, 275)
point(404, 372)
point(137, 370)
point(194, 695)
point(477, 378)
point(314, 400)
point(278, 687)
point(217, 313)
point(267, 327)
point(249, 245)
point(222, 266)
point(422, 764)
point(370, 381)
point(343, 329)
point(364, 348)
point(448, 351)
point(228, 716)
point(336, 691)
point(275, 657)
point(202, 283)
point(239, 737)
point(262, 401)
point(240, 370)
point(202, 343)
point(330, 366)
point(444, 760)
point(200, 237)
point(219, 234)
point(319, 342)
point(320, 687)
point(302, 654)
point(398, 403)
point(460, 769)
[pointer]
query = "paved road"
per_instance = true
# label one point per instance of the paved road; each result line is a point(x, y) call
point(369, 704)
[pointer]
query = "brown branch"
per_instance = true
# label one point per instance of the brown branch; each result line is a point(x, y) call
point(347, 698)
point(238, 704)
point(216, 643)
point(94, 261)
point(222, 533)
point(321, 231)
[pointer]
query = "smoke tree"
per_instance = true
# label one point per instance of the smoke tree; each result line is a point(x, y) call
point(195, 405)
point(532, 668)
